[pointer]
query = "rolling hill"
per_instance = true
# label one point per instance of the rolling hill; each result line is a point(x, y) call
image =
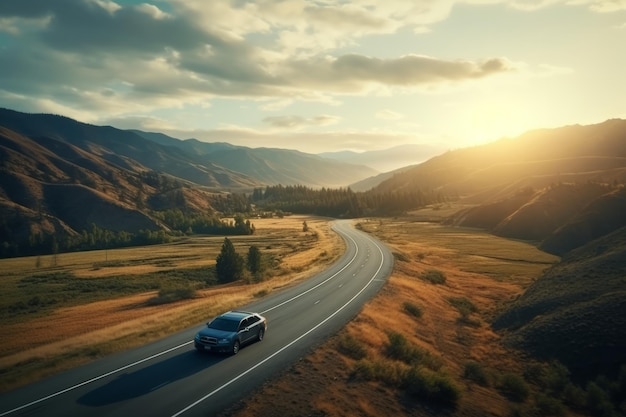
point(576, 311)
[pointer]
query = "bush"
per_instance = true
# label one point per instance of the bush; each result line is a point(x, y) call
point(475, 372)
point(399, 348)
point(433, 276)
point(513, 387)
point(352, 347)
point(412, 309)
point(433, 387)
point(170, 295)
point(549, 406)
point(464, 305)
point(418, 382)
point(391, 373)
point(401, 257)
point(574, 396)
point(552, 377)
point(598, 401)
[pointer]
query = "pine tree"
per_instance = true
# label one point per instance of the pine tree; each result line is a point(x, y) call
point(254, 260)
point(229, 264)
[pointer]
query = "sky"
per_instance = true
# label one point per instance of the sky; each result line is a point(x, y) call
point(318, 76)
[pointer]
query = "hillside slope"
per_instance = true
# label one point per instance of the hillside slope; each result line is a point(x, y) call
point(536, 159)
point(576, 311)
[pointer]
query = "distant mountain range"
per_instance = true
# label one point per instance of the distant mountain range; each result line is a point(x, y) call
point(209, 164)
point(388, 160)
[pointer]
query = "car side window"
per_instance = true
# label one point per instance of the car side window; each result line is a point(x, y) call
point(252, 320)
point(243, 324)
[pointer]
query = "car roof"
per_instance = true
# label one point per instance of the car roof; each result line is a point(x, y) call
point(236, 315)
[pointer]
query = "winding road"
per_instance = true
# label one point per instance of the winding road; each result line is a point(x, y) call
point(169, 378)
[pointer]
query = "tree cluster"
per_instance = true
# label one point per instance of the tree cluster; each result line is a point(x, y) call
point(230, 266)
point(98, 238)
point(204, 223)
point(342, 202)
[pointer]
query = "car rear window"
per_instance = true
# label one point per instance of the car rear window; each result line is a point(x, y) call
point(224, 324)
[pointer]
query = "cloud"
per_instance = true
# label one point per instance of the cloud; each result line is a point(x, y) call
point(96, 54)
point(602, 6)
point(353, 72)
point(120, 59)
point(388, 115)
point(297, 122)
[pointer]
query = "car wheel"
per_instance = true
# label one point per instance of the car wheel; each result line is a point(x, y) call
point(261, 334)
point(236, 347)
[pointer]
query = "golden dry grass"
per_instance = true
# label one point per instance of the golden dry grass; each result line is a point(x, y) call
point(32, 349)
point(485, 269)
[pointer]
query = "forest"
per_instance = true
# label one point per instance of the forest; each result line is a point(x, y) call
point(342, 202)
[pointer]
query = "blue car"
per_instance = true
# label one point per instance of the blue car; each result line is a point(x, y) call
point(230, 331)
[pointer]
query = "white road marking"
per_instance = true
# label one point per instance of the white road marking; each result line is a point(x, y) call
point(94, 379)
point(318, 285)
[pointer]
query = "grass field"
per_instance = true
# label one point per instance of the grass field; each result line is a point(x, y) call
point(60, 311)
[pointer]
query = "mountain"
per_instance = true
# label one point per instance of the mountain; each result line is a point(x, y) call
point(122, 147)
point(536, 159)
point(198, 162)
point(60, 178)
point(388, 159)
point(270, 165)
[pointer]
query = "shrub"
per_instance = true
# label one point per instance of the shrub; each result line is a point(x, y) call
point(418, 382)
point(475, 372)
point(261, 293)
point(390, 373)
point(598, 401)
point(352, 347)
point(401, 257)
point(513, 387)
point(433, 276)
point(431, 386)
point(552, 377)
point(574, 396)
point(399, 348)
point(549, 406)
point(412, 309)
point(464, 305)
point(364, 369)
point(170, 295)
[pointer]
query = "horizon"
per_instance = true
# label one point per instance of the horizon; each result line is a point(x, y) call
point(317, 77)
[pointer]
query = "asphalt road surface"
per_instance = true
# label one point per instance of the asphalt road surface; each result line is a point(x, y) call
point(169, 378)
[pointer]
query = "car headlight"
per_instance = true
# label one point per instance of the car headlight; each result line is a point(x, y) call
point(197, 336)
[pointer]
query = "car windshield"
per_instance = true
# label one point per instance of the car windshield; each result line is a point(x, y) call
point(224, 324)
